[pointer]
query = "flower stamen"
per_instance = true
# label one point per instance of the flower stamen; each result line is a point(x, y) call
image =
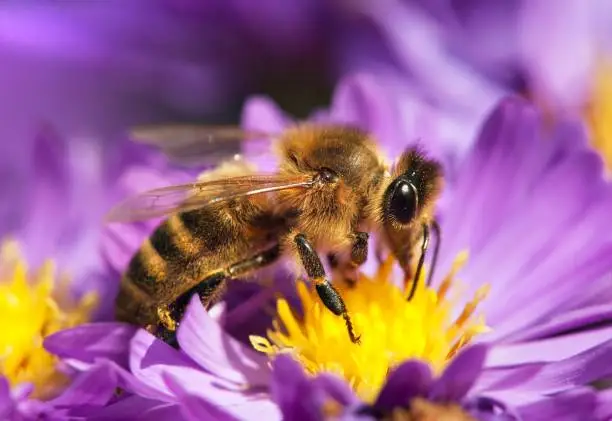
point(36, 307)
point(392, 328)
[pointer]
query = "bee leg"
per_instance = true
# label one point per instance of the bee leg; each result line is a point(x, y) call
point(419, 268)
point(347, 269)
point(207, 289)
point(169, 316)
point(327, 293)
point(166, 335)
point(359, 254)
point(255, 262)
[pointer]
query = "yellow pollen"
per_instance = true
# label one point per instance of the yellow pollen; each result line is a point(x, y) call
point(392, 329)
point(598, 113)
point(32, 307)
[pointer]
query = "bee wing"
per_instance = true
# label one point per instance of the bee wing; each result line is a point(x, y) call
point(179, 198)
point(199, 145)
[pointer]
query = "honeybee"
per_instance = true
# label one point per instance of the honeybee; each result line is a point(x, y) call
point(332, 187)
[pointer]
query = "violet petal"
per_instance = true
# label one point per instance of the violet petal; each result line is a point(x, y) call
point(194, 408)
point(584, 368)
point(293, 392)
point(578, 405)
point(361, 101)
point(558, 48)
point(336, 388)
point(88, 342)
point(152, 359)
point(205, 342)
point(262, 113)
point(6, 400)
point(547, 350)
point(240, 405)
point(495, 379)
point(571, 320)
point(441, 75)
point(514, 384)
point(408, 380)
point(132, 408)
point(487, 409)
point(94, 387)
point(604, 405)
point(460, 375)
point(129, 382)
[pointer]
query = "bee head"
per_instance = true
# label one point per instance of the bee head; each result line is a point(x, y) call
point(410, 195)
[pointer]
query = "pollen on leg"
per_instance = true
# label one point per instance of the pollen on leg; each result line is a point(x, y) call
point(392, 329)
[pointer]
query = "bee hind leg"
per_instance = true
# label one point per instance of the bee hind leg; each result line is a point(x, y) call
point(169, 316)
point(207, 290)
point(330, 297)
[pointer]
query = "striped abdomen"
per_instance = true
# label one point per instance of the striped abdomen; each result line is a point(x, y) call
point(182, 251)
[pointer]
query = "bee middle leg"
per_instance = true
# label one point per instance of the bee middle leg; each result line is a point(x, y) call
point(347, 268)
point(208, 289)
point(327, 293)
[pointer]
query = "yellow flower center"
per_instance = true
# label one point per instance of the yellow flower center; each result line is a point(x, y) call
point(392, 329)
point(32, 307)
point(598, 113)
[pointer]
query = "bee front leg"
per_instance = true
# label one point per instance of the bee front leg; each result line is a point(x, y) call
point(419, 268)
point(425, 241)
point(347, 269)
point(316, 273)
point(435, 225)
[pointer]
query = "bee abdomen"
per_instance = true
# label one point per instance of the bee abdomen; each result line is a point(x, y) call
point(148, 271)
point(133, 304)
point(164, 242)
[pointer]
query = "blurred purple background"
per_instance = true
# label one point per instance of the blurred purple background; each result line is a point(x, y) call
point(75, 76)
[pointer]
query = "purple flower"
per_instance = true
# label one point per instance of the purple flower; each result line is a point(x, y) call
point(531, 207)
point(211, 366)
point(55, 203)
point(15, 405)
point(99, 70)
point(51, 271)
point(553, 54)
point(200, 62)
point(220, 378)
point(419, 54)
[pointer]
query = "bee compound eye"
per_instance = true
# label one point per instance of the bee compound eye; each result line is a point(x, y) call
point(403, 201)
point(327, 175)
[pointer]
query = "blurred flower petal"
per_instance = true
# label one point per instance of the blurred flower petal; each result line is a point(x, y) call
point(295, 395)
point(460, 375)
point(204, 341)
point(564, 406)
point(553, 348)
point(194, 408)
point(409, 380)
point(89, 342)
